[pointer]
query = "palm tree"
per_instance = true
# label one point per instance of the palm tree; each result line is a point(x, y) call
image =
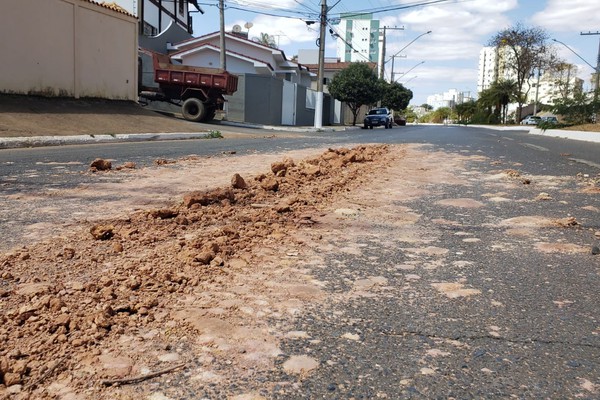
point(506, 91)
point(265, 39)
point(498, 96)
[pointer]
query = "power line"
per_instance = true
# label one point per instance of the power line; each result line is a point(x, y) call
point(287, 13)
point(394, 8)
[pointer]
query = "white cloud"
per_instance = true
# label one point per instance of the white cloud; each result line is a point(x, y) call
point(572, 15)
point(284, 30)
point(458, 29)
point(462, 76)
point(268, 4)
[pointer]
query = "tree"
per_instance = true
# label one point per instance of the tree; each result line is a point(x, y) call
point(427, 107)
point(410, 115)
point(488, 102)
point(465, 111)
point(265, 39)
point(563, 73)
point(505, 91)
point(578, 109)
point(525, 50)
point(497, 97)
point(441, 114)
point(395, 96)
point(355, 85)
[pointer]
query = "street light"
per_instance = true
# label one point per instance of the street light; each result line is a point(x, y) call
point(596, 69)
point(414, 77)
point(573, 51)
point(400, 51)
point(422, 62)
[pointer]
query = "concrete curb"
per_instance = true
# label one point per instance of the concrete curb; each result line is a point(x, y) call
point(283, 128)
point(559, 133)
point(40, 141)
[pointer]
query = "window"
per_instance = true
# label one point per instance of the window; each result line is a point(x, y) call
point(181, 7)
point(149, 30)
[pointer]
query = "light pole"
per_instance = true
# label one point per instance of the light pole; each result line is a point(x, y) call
point(393, 73)
point(318, 122)
point(404, 48)
point(223, 55)
point(382, 56)
point(415, 66)
point(596, 70)
point(414, 77)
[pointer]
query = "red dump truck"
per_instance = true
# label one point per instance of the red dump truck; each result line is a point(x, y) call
point(199, 91)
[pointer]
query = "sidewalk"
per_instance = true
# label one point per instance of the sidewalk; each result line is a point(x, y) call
point(559, 133)
point(41, 141)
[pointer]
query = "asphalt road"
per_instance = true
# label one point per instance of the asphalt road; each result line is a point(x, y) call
point(43, 167)
point(534, 332)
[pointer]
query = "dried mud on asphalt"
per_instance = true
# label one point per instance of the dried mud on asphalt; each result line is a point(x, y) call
point(372, 272)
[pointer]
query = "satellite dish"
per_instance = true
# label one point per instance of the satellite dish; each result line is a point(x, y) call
point(248, 25)
point(237, 29)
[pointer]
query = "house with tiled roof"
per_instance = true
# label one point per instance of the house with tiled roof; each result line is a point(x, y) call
point(243, 56)
point(272, 89)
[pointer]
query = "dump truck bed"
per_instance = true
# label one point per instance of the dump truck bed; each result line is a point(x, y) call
point(167, 73)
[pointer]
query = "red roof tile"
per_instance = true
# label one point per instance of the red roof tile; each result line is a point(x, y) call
point(111, 6)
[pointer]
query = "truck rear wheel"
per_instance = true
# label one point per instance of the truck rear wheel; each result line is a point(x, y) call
point(193, 109)
point(210, 114)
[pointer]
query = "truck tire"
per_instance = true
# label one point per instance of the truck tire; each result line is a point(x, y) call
point(193, 109)
point(210, 114)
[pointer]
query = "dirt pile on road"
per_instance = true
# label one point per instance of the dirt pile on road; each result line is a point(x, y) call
point(66, 301)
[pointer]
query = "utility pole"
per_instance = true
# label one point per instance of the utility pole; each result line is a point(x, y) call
point(392, 80)
point(537, 90)
point(597, 88)
point(223, 57)
point(382, 60)
point(321, 72)
point(382, 56)
point(597, 69)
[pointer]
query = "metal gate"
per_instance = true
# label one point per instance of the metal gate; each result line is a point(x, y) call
point(288, 107)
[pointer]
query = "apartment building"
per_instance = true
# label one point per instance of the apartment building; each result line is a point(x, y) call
point(359, 38)
point(494, 65)
point(448, 99)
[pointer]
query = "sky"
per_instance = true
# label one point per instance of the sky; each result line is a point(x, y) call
point(445, 59)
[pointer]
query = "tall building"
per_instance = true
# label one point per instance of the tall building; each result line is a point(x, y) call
point(487, 68)
point(554, 85)
point(494, 65)
point(448, 99)
point(359, 38)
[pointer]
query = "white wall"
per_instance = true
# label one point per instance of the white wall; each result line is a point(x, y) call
point(67, 48)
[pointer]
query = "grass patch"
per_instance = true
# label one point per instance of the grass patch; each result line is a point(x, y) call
point(214, 134)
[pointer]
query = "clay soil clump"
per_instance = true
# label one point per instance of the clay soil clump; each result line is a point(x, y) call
point(69, 302)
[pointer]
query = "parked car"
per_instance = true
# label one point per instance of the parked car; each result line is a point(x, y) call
point(550, 119)
point(400, 120)
point(531, 120)
point(378, 117)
